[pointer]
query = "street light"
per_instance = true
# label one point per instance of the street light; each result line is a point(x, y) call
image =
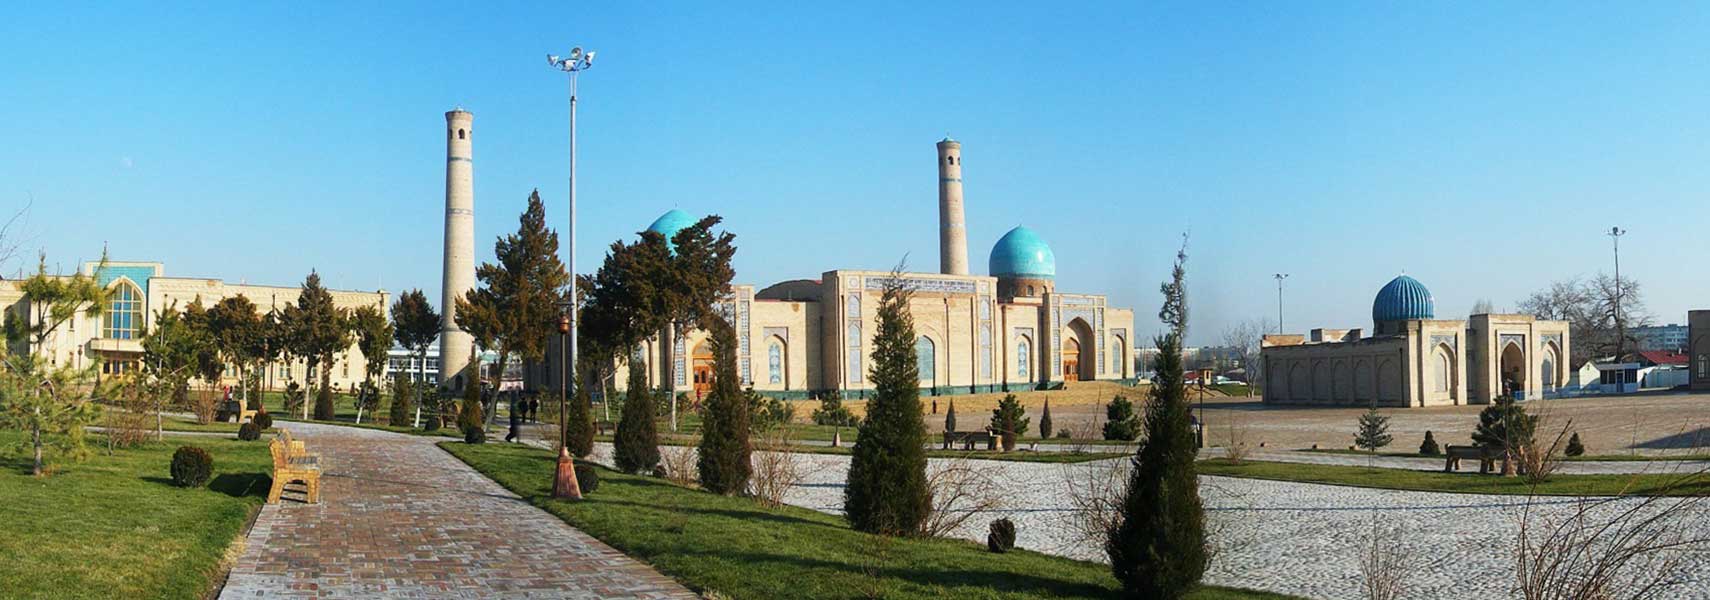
point(1280, 277)
point(564, 485)
point(1615, 234)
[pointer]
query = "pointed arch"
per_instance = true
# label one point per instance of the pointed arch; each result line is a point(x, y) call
point(123, 318)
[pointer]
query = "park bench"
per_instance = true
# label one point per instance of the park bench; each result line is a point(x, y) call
point(605, 428)
point(967, 439)
point(291, 465)
point(234, 408)
point(1486, 457)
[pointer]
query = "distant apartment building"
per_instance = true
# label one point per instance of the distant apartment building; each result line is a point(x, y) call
point(1670, 337)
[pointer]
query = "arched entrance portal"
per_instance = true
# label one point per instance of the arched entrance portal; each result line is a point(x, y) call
point(1513, 369)
point(1071, 360)
point(703, 370)
point(1078, 338)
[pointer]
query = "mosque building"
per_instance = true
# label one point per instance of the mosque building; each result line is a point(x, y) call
point(1010, 329)
point(1414, 359)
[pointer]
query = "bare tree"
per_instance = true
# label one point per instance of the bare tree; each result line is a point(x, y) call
point(1385, 563)
point(1243, 339)
point(1094, 490)
point(776, 467)
point(1482, 307)
point(1612, 548)
point(1589, 307)
point(959, 491)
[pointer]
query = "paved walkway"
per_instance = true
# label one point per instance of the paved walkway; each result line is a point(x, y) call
point(400, 518)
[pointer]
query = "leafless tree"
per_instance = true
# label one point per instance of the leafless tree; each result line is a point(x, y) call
point(1613, 548)
point(1385, 562)
point(1094, 490)
point(11, 236)
point(679, 461)
point(776, 468)
point(959, 491)
point(1237, 449)
point(1243, 340)
point(1589, 307)
point(1482, 307)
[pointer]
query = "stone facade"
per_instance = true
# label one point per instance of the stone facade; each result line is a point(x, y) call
point(142, 290)
point(1698, 322)
point(1011, 330)
point(1416, 362)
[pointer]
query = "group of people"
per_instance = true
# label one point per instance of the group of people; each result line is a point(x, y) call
point(524, 408)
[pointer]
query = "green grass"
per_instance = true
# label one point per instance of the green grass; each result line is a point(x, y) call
point(1583, 458)
point(1684, 484)
point(739, 549)
point(116, 527)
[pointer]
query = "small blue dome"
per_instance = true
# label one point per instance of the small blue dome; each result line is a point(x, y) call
point(1402, 299)
point(1022, 253)
point(671, 222)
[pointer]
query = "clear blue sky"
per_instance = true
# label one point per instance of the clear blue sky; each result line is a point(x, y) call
point(1481, 149)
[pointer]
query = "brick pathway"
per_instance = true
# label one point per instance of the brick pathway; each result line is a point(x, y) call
point(400, 518)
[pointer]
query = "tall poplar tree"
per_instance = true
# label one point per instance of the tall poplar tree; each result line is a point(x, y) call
point(1157, 548)
point(415, 326)
point(887, 491)
point(725, 449)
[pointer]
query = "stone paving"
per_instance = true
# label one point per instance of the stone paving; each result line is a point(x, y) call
point(1587, 467)
point(400, 518)
point(1293, 538)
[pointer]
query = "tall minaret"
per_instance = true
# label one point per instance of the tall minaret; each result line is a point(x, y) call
point(454, 343)
point(952, 229)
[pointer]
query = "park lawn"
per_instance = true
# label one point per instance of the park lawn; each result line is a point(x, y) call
point(1469, 482)
point(1581, 458)
point(739, 549)
point(849, 441)
point(116, 527)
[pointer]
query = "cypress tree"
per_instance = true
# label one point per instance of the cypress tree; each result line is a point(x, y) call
point(402, 393)
point(887, 492)
point(470, 418)
point(1010, 420)
point(579, 434)
point(950, 418)
point(1574, 446)
point(1045, 428)
point(636, 447)
point(1157, 549)
point(1429, 446)
point(723, 459)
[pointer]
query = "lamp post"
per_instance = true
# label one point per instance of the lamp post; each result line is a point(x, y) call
point(1280, 277)
point(564, 485)
point(1615, 234)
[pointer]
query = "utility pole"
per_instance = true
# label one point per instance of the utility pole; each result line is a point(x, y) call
point(1280, 277)
point(564, 485)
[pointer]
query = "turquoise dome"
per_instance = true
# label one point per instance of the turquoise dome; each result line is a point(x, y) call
point(1022, 253)
point(670, 223)
point(1403, 298)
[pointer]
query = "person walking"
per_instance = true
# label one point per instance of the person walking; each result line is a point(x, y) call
point(516, 418)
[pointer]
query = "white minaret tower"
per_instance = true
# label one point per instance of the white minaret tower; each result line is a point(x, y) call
point(952, 229)
point(454, 343)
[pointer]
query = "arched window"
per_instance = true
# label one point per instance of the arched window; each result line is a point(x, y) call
point(854, 352)
point(1548, 367)
point(1023, 356)
point(925, 359)
point(124, 316)
point(460, 134)
point(775, 362)
point(852, 306)
point(1030, 290)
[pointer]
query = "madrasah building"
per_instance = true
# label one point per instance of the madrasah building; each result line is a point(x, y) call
point(139, 291)
point(1010, 329)
point(1414, 359)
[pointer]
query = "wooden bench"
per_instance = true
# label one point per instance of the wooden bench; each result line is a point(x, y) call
point(967, 439)
point(292, 467)
point(605, 428)
point(1486, 458)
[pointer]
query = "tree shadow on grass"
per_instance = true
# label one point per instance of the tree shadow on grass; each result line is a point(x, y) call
point(973, 580)
point(755, 514)
point(236, 485)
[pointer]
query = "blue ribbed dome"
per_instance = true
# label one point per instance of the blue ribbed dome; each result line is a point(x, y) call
point(1022, 253)
point(1402, 299)
point(671, 222)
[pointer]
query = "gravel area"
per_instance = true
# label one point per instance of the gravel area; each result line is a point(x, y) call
point(1293, 538)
